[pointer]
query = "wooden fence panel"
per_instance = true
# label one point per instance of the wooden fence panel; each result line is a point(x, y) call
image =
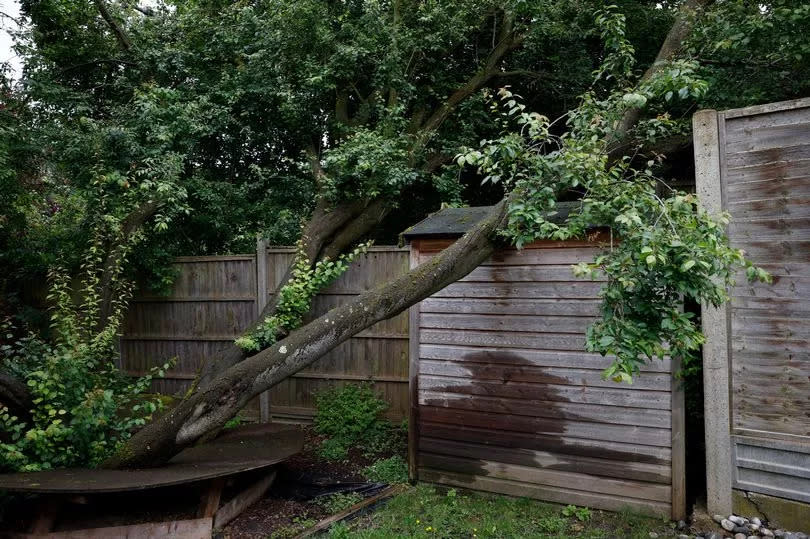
point(755, 164)
point(378, 354)
point(215, 298)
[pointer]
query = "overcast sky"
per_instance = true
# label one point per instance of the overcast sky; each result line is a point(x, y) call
point(12, 9)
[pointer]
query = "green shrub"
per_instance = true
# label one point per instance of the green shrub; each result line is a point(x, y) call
point(333, 449)
point(84, 408)
point(392, 470)
point(349, 412)
point(350, 416)
point(335, 503)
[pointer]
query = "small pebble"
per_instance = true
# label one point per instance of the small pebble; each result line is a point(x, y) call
point(713, 535)
point(779, 533)
point(739, 521)
point(754, 527)
point(682, 536)
point(741, 529)
point(727, 524)
point(801, 535)
point(718, 518)
point(740, 536)
point(765, 532)
point(653, 535)
point(756, 521)
point(753, 537)
point(681, 524)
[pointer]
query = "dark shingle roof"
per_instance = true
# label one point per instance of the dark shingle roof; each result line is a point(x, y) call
point(454, 222)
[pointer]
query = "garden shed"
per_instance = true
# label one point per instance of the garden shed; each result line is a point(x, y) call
point(504, 397)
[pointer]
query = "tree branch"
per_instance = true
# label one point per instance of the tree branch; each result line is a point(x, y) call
point(15, 396)
point(506, 42)
point(671, 46)
point(120, 35)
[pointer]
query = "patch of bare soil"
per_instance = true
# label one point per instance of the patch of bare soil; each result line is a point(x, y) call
point(287, 510)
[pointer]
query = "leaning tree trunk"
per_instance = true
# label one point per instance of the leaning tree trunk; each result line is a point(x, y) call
point(210, 408)
point(329, 232)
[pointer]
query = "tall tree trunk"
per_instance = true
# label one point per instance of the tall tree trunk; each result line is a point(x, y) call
point(328, 233)
point(210, 408)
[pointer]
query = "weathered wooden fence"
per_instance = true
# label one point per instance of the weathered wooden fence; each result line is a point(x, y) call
point(755, 164)
point(506, 399)
point(215, 297)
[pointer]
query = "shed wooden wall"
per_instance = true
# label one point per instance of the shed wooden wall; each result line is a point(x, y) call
point(507, 399)
point(764, 169)
point(215, 298)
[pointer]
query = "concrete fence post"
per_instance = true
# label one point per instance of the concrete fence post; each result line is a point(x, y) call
point(715, 321)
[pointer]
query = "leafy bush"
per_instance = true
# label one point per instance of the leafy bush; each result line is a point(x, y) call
point(582, 514)
point(392, 470)
point(84, 408)
point(296, 297)
point(333, 449)
point(350, 416)
point(335, 503)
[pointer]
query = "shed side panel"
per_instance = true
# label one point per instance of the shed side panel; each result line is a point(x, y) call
point(510, 401)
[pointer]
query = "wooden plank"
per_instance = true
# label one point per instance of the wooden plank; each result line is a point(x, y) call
point(780, 229)
point(414, 324)
point(549, 494)
point(524, 323)
point(621, 415)
point(768, 169)
point(522, 273)
point(512, 306)
point(199, 528)
point(353, 377)
point(764, 326)
point(537, 375)
point(784, 251)
point(620, 396)
point(547, 477)
point(652, 473)
point(553, 290)
point(193, 299)
point(538, 358)
point(209, 501)
point(328, 521)
point(787, 153)
point(769, 188)
point(498, 423)
point(770, 207)
point(262, 296)
point(625, 451)
point(502, 339)
point(770, 138)
point(768, 108)
point(243, 500)
point(678, 445)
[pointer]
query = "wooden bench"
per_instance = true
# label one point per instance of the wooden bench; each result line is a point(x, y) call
point(212, 465)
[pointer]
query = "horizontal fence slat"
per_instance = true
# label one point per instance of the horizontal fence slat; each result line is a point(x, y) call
point(552, 494)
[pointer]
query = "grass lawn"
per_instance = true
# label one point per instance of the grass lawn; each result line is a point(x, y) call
point(428, 511)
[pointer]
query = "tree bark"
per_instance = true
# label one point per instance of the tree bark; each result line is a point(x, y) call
point(210, 408)
point(329, 232)
point(15, 396)
point(120, 35)
point(669, 49)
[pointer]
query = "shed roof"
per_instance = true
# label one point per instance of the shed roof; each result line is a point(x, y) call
point(453, 222)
